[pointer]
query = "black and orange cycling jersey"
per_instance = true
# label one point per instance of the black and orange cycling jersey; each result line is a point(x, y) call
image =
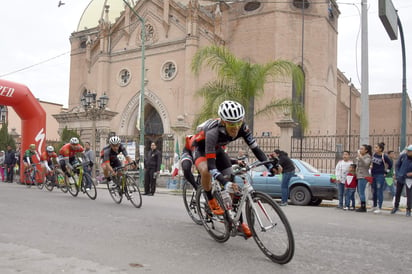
point(108, 155)
point(69, 150)
point(208, 143)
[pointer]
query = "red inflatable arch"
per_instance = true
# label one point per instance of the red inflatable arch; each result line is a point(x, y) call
point(33, 116)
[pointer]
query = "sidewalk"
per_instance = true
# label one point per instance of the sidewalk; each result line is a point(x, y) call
point(387, 203)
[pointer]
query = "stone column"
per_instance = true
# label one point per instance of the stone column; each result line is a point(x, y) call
point(286, 125)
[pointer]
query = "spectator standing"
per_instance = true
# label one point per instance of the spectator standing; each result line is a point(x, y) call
point(350, 187)
point(9, 163)
point(287, 168)
point(381, 164)
point(362, 171)
point(390, 176)
point(2, 158)
point(403, 170)
point(89, 157)
point(152, 163)
point(341, 170)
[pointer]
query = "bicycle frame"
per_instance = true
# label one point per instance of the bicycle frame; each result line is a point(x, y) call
point(247, 190)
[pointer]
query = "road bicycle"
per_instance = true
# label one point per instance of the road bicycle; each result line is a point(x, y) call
point(80, 181)
point(32, 176)
point(269, 226)
point(55, 179)
point(125, 185)
point(189, 200)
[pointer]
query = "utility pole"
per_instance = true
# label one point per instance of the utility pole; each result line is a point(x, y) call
point(364, 117)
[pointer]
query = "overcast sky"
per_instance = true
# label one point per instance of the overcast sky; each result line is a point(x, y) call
point(34, 48)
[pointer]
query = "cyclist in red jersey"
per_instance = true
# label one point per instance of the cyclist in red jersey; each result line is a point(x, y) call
point(110, 160)
point(47, 158)
point(68, 152)
point(210, 158)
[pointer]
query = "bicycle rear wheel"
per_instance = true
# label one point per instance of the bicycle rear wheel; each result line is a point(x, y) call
point(38, 179)
point(270, 228)
point(189, 200)
point(114, 192)
point(216, 226)
point(89, 186)
point(133, 192)
point(72, 184)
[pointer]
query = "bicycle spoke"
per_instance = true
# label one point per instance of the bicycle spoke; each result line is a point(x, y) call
point(216, 226)
point(189, 200)
point(133, 192)
point(270, 228)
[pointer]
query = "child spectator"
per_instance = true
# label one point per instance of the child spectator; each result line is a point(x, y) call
point(350, 187)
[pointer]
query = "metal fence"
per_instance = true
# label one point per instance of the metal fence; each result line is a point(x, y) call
point(323, 152)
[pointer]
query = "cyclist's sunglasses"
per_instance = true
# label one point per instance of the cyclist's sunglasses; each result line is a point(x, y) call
point(233, 124)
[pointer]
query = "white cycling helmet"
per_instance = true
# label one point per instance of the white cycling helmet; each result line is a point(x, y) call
point(49, 149)
point(74, 141)
point(231, 111)
point(114, 140)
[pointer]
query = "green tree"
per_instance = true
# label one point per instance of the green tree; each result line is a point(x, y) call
point(5, 138)
point(244, 82)
point(66, 135)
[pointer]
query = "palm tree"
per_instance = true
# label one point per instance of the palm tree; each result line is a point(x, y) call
point(242, 81)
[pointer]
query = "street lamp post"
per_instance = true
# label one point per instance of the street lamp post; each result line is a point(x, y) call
point(142, 88)
point(94, 108)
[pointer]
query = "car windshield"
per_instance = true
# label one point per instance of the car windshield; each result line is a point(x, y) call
point(309, 167)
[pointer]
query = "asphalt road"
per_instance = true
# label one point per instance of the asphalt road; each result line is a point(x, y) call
point(42, 232)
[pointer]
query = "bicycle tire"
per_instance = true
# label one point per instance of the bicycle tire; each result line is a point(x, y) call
point(115, 192)
point(38, 179)
point(72, 185)
point(92, 192)
point(27, 179)
point(62, 184)
point(278, 246)
point(189, 200)
point(50, 181)
point(216, 226)
point(133, 192)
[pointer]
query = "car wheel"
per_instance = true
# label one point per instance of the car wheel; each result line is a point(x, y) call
point(300, 195)
point(315, 201)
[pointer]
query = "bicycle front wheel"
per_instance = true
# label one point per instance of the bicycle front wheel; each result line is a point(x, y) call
point(27, 179)
point(216, 225)
point(38, 179)
point(90, 187)
point(270, 228)
point(50, 181)
point(133, 192)
point(61, 181)
point(72, 184)
point(189, 200)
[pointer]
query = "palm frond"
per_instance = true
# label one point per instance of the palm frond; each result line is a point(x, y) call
point(285, 106)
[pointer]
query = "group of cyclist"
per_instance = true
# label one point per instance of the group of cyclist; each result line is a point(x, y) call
point(206, 149)
point(68, 154)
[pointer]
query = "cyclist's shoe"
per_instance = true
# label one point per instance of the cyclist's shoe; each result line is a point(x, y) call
point(214, 206)
point(245, 228)
point(112, 184)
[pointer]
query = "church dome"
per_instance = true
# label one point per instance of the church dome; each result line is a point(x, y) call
point(95, 11)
